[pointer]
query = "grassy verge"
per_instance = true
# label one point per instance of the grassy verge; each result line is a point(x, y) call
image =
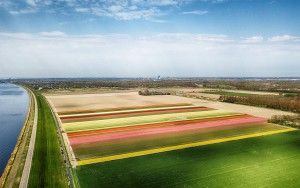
point(48, 168)
point(268, 161)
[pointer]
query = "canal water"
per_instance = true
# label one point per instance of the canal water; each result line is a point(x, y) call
point(14, 103)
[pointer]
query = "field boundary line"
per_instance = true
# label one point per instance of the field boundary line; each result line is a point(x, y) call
point(178, 147)
point(70, 160)
point(66, 142)
point(30, 152)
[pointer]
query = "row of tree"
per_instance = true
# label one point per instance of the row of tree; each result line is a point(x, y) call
point(277, 102)
point(287, 120)
point(147, 92)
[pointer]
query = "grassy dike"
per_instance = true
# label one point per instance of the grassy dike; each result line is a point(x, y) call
point(48, 167)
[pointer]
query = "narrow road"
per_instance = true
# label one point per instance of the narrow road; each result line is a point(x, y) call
point(27, 166)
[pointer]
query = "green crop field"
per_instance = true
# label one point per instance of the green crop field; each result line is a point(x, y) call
point(129, 121)
point(48, 169)
point(267, 161)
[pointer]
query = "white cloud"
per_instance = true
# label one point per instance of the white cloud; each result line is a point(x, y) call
point(53, 34)
point(214, 1)
point(55, 54)
point(164, 2)
point(82, 10)
point(196, 12)
point(284, 38)
point(22, 11)
point(121, 13)
point(31, 2)
point(254, 39)
point(120, 10)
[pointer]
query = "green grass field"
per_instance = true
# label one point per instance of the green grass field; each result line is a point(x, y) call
point(48, 169)
point(129, 121)
point(228, 93)
point(267, 161)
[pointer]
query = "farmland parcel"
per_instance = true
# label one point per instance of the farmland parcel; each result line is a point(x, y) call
point(127, 140)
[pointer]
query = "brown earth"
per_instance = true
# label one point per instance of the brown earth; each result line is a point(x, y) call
point(94, 102)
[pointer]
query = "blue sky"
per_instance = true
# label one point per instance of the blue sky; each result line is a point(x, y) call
point(231, 17)
point(142, 37)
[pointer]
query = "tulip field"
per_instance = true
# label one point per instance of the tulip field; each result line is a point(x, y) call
point(149, 146)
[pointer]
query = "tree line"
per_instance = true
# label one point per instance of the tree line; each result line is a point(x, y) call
point(277, 102)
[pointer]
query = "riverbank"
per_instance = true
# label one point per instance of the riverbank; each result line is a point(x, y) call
point(13, 171)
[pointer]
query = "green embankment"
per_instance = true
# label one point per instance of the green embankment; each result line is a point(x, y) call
point(268, 161)
point(48, 168)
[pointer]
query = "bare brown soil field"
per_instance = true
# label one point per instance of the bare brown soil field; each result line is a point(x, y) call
point(89, 103)
point(255, 111)
point(87, 117)
point(96, 102)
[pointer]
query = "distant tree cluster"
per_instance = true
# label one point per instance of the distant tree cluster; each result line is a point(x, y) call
point(271, 85)
point(106, 83)
point(147, 92)
point(277, 102)
point(287, 120)
point(284, 86)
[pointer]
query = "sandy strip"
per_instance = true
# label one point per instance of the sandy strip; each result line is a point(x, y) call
point(28, 161)
point(163, 130)
point(154, 125)
point(178, 147)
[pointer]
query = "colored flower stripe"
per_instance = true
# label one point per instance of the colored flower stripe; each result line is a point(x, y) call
point(130, 121)
point(123, 108)
point(131, 113)
point(163, 130)
point(154, 125)
point(178, 147)
point(130, 110)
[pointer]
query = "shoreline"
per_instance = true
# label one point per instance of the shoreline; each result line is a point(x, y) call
point(20, 139)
